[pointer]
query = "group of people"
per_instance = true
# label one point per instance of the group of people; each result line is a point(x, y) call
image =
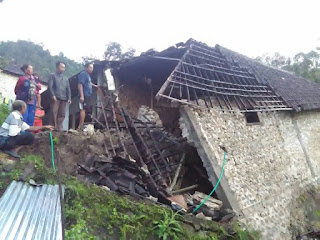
point(26, 116)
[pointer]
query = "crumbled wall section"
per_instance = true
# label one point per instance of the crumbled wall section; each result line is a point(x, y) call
point(146, 114)
point(132, 96)
point(267, 168)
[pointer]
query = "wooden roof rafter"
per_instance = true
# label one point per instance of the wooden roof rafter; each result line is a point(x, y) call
point(205, 73)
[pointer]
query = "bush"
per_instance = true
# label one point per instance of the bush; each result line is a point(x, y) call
point(4, 112)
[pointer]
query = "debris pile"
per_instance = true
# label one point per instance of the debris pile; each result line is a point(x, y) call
point(211, 208)
point(140, 150)
point(118, 174)
point(143, 160)
point(146, 114)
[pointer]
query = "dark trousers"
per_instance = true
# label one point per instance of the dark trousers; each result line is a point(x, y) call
point(25, 138)
point(58, 113)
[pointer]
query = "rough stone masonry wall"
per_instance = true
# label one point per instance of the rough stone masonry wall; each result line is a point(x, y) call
point(7, 85)
point(269, 166)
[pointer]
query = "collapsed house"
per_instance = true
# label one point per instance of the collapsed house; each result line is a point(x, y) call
point(171, 116)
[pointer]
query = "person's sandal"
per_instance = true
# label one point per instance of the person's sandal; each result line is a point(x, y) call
point(12, 153)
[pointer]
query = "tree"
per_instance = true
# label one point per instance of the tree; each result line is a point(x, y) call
point(276, 60)
point(115, 52)
point(34, 54)
point(86, 59)
point(3, 62)
point(306, 65)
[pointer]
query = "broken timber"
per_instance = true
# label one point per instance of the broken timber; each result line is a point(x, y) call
point(152, 154)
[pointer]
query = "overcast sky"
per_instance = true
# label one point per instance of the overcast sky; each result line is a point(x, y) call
point(83, 28)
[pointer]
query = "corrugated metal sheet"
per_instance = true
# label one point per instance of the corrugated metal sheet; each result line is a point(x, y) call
point(28, 212)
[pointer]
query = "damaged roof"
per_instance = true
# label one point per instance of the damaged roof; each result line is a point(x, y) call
point(226, 78)
point(205, 77)
point(299, 93)
point(197, 74)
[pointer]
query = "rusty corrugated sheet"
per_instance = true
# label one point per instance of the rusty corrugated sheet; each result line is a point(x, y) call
point(28, 212)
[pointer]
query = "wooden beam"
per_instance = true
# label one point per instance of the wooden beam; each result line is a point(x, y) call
point(177, 173)
point(165, 85)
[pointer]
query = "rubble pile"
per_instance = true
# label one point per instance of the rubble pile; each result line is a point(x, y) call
point(143, 160)
point(146, 114)
point(118, 174)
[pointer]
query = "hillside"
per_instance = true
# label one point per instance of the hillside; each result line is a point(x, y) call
point(42, 60)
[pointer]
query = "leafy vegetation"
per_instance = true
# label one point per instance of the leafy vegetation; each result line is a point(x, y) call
point(15, 174)
point(3, 62)
point(28, 52)
point(4, 112)
point(168, 227)
point(37, 160)
point(114, 52)
point(92, 212)
point(306, 65)
point(44, 63)
point(118, 216)
point(56, 141)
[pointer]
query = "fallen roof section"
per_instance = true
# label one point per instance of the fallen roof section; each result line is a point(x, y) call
point(28, 212)
point(149, 153)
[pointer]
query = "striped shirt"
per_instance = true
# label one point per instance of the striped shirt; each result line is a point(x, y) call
point(13, 125)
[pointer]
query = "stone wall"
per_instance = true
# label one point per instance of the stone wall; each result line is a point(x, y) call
point(7, 85)
point(268, 167)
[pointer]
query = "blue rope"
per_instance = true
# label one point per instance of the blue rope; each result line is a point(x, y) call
point(224, 161)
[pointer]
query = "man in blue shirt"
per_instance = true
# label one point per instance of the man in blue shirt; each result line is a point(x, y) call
point(85, 91)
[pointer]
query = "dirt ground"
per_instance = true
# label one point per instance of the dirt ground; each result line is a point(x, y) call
point(72, 148)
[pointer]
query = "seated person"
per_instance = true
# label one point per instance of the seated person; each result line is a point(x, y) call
point(12, 131)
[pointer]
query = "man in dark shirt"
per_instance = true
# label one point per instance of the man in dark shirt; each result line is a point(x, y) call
point(85, 91)
point(59, 88)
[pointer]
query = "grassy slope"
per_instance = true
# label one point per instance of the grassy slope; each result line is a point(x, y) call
point(92, 212)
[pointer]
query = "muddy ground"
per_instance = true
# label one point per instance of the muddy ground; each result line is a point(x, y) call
point(72, 148)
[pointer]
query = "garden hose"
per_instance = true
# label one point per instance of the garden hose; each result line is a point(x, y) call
point(224, 161)
point(52, 154)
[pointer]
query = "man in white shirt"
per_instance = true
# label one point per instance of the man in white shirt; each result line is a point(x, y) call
point(12, 131)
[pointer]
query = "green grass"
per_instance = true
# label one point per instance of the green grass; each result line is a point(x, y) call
point(4, 112)
point(89, 208)
point(56, 141)
point(38, 161)
point(117, 215)
point(92, 212)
